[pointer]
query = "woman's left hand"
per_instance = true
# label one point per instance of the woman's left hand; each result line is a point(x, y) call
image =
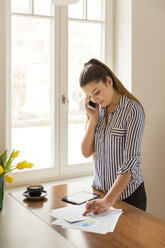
point(97, 206)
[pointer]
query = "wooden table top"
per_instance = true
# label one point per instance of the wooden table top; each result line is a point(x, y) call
point(19, 228)
point(135, 228)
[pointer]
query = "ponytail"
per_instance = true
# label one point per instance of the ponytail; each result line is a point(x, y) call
point(95, 70)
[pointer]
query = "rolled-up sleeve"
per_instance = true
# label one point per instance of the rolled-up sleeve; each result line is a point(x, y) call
point(132, 148)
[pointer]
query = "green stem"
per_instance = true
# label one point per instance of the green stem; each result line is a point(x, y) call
point(11, 169)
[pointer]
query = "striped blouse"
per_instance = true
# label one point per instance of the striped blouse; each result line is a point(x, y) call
point(118, 146)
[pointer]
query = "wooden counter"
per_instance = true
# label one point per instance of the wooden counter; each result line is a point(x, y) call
point(135, 228)
point(19, 228)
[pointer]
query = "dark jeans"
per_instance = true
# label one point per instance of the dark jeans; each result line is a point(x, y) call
point(138, 198)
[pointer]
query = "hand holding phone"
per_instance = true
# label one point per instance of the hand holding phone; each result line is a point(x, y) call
point(91, 105)
point(92, 110)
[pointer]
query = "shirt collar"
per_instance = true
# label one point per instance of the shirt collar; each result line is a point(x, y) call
point(121, 104)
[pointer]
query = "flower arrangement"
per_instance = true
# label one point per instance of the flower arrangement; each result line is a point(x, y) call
point(6, 165)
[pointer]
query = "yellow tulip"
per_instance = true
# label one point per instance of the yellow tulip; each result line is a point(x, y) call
point(9, 178)
point(15, 154)
point(22, 165)
point(1, 169)
point(30, 165)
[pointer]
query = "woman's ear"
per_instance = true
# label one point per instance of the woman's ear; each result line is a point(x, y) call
point(109, 81)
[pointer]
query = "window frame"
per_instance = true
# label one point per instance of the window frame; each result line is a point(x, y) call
point(61, 169)
point(65, 168)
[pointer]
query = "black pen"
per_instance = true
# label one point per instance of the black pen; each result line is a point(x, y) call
point(90, 205)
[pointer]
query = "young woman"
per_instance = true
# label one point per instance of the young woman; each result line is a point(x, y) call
point(114, 134)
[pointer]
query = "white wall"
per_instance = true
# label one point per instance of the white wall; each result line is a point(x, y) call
point(123, 40)
point(4, 72)
point(148, 84)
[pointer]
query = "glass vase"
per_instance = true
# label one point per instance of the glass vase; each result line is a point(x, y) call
point(2, 188)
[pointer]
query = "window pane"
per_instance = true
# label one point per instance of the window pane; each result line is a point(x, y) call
point(94, 10)
point(20, 6)
point(31, 87)
point(76, 10)
point(84, 37)
point(43, 7)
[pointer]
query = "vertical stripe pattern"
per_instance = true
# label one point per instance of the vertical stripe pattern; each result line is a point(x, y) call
point(118, 146)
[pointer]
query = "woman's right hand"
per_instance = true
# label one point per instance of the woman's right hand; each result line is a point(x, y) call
point(93, 114)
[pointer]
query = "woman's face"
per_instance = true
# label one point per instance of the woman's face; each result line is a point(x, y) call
point(100, 93)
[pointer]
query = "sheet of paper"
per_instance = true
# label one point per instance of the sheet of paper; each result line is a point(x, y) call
point(71, 213)
point(97, 225)
point(71, 217)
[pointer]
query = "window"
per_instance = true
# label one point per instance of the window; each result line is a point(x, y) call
point(85, 34)
point(32, 84)
point(49, 45)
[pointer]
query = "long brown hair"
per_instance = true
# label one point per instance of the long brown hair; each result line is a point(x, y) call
point(95, 71)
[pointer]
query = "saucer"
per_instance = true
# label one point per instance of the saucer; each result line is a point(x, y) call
point(43, 194)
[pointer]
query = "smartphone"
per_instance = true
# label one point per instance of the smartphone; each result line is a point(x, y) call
point(80, 197)
point(91, 105)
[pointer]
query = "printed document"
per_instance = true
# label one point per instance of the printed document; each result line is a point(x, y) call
point(71, 217)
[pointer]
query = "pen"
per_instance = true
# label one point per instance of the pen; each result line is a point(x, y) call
point(90, 205)
point(88, 209)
